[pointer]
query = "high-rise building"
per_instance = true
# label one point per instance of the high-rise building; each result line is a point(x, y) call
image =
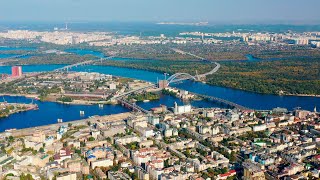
point(16, 71)
point(181, 109)
point(302, 41)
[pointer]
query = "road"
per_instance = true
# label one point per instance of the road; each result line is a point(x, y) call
point(183, 52)
point(214, 70)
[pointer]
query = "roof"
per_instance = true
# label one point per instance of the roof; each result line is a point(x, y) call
point(230, 173)
point(317, 157)
point(91, 156)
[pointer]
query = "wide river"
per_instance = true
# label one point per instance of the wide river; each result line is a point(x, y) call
point(49, 112)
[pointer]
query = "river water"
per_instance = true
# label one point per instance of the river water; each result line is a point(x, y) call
point(49, 112)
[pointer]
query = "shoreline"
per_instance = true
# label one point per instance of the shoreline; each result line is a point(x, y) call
point(19, 95)
point(26, 107)
point(113, 118)
point(90, 103)
point(302, 95)
point(77, 102)
point(297, 95)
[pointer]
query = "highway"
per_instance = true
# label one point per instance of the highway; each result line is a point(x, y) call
point(183, 52)
point(214, 70)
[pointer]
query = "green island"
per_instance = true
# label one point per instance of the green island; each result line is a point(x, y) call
point(300, 76)
point(144, 96)
point(167, 92)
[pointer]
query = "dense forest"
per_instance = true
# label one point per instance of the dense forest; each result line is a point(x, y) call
point(216, 52)
point(170, 67)
point(52, 59)
point(294, 76)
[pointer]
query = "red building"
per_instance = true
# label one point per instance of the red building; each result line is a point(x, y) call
point(16, 71)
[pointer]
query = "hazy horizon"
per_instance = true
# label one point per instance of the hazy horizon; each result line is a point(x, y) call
point(212, 11)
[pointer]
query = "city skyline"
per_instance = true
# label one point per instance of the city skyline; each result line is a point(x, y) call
point(229, 12)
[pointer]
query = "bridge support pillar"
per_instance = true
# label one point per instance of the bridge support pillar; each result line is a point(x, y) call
point(163, 84)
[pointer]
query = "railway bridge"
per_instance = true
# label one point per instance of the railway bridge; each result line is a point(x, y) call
point(222, 101)
point(132, 106)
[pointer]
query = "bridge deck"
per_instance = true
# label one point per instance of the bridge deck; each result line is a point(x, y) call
point(226, 102)
point(173, 78)
point(134, 90)
point(19, 56)
point(132, 106)
point(81, 63)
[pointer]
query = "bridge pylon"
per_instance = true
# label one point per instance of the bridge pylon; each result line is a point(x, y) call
point(162, 84)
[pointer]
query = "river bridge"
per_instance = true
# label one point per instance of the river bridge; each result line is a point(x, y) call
point(222, 101)
point(185, 76)
point(181, 77)
point(68, 67)
point(19, 56)
point(172, 79)
point(132, 106)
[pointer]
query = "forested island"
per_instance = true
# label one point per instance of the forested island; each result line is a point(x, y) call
point(298, 76)
point(144, 96)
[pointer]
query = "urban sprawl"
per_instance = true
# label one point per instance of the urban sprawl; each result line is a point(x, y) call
point(162, 143)
point(179, 142)
point(64, 37)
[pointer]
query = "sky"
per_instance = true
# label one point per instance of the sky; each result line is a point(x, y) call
point(216, 11)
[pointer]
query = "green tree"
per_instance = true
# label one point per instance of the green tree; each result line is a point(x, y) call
point(11, 139)
point(26, 177)
point(41, 150)
point(91, 138)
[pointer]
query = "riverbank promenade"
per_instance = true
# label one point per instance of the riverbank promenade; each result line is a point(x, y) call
point(114, 118)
